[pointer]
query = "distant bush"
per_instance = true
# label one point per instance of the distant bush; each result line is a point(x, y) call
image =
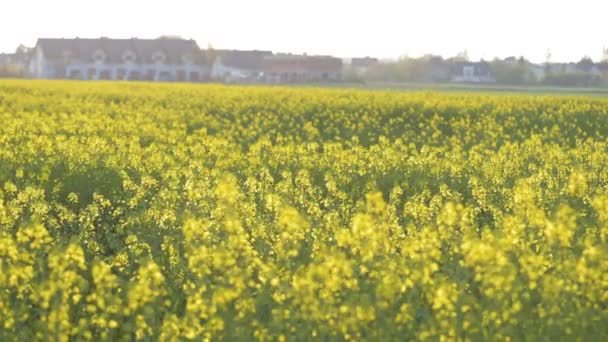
point(573, 79)
point(513, 74)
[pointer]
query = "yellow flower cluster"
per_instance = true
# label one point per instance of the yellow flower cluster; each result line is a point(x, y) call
point(185, 212)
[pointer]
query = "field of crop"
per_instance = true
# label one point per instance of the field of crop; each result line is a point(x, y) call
point(172, 212)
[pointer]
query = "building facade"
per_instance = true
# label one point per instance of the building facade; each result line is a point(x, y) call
point(163, 59)
point(361, 65)
point(472, 72)
point(237, 66)
point(288, 68)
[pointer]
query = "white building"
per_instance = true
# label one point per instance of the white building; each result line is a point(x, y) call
point(469, 72)
point(238, 66)
point(289, 68)
point(361, 65)
point(163, 59)
point(538, 71)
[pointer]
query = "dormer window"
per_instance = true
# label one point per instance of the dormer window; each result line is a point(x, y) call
point(187, 59)
point(99, 56)
point(159, 57)
point(129, 56)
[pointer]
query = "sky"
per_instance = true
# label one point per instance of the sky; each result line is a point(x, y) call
point(486, 29)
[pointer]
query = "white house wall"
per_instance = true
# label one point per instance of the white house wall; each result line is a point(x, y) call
point(40, 67)
point(37, 64)
point(220, 71)
point(473, 79)
point(142, 69)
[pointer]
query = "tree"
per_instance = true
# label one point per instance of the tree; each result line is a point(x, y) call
point(585, 64)
point(507, 72)
point(349, 74)
point(462, 56)
point(11, 70)
point(522, 61)
point(22, 50)
point(212, 54)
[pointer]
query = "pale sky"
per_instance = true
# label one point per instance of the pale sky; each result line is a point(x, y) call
point(570, 29)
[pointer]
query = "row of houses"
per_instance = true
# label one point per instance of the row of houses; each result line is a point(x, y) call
point(176, 59)
point(172, 59)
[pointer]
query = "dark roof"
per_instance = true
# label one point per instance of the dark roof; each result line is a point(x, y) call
point(306, 63)
point(363, 62)
point(248, 60)
point(144, 49)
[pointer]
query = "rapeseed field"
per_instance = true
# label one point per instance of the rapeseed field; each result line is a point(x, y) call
point(133, 211)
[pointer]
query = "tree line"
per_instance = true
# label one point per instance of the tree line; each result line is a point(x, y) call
point(508, 71)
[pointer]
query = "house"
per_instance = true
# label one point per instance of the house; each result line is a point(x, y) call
point(538, 71)
point(472, 72)
point(512, 60)
point(603, 68)
point(163, 59)
point(6, 58)
point(288, 68)
point(361, 65)
point(14, 64)
point(7, 66)
point(567, 68)
point(238, 66)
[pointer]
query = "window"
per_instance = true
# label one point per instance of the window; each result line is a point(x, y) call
point(187, 59)
point(159, 57)
point(128, 57)
point(99, 56)
point(468, 71)
point(75, 74)
point(91, 73)
point(134, 75)
point(104, 75)
point(165, 76)
point(150, 75)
